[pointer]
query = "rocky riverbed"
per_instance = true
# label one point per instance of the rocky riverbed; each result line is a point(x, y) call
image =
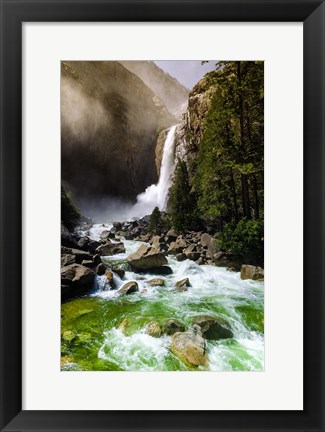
point(137, 301)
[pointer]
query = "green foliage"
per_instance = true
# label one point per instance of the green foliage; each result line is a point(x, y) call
point(155, 221)
point(228, 171)
point(244, 240)
point(70, 213)
point(182, 202)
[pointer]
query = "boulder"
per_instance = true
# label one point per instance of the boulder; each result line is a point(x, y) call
point(153, 329)
point(76, 280)
point(163, 247)
point(190, 346)
point(101, 269)
point(251, 272)
point(194, 256)
point(181, 241)
point(67, 238)
point(109, 249)
point(110, 277)
point(85, 243)
point(117, 225)
point(205, 239)
point(182, 284)
point(144, 237)
point(69, 336)
point(213, 328)
point(88, 263)
point(191, 248)
point(172, 326)
point(161, 271)
point(105, 235)
point(180, 256)
point(218, 256)
point(79, 254)
point(155, 241)
point(171, 236)
point(156, 282)
point(67, 259)
point(174, 248)
point(129, 288)
point(120, 272)
point(212, 248)
point(146, 258)
point(97, 259)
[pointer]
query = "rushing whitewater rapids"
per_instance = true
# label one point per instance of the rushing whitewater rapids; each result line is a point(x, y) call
point(95, 322)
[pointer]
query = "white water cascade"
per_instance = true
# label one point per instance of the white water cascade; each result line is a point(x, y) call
point(156, 195)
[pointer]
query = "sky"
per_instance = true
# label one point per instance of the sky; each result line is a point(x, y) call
point(188, 72)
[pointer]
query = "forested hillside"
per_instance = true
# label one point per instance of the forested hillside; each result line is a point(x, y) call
point(225, 157)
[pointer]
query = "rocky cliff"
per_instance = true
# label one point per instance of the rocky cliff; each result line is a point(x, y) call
point(110, 121)
point(191, 128)
point(173, 94)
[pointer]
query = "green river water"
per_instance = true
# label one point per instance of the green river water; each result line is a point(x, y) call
point(91, 339)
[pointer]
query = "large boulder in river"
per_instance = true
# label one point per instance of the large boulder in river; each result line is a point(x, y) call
point(180, 256)
point(182, 284)
point(153, 329)
point(172, 326)
point(251, 272)
point(146, 258)
point(106, 235)
point(109, 249)
point(76, 280)
point(213, 328)
point(85, 243)
point(101, 269)
point(190, 346)
point(156, 282)
point(161, 271)
point(129, 288)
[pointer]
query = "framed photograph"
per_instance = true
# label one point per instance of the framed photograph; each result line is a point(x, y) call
point(162, 235)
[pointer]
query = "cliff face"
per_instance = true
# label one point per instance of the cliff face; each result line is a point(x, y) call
point(110, 122)
point(192, 126)
point(173, 94)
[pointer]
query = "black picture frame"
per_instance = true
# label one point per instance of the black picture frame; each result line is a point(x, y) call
point(13, 14)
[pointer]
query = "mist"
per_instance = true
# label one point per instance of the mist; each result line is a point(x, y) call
point(108, 209)
point(76, 108)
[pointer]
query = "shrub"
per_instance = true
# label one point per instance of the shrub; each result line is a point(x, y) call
point(245, 240)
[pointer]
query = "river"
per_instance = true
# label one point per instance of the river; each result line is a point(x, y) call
point(105, 331)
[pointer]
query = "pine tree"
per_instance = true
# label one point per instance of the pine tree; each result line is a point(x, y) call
point(155, 221)
point(182, 203)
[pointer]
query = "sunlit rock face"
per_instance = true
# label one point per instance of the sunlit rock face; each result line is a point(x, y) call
point(192, 126)
point(110, 121)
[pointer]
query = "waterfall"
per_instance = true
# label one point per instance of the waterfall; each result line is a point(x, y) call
point(156, 195)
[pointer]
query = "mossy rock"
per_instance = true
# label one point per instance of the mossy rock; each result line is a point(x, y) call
point(69, 336)
point(153, 329)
